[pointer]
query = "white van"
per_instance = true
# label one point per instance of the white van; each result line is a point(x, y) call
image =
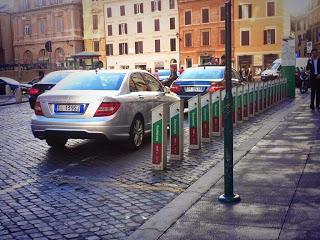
point(273, 72)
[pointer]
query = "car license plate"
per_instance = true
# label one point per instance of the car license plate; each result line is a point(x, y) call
point(66, 108)
point(193, 89)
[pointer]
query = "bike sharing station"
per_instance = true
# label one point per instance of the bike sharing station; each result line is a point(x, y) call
point(205, 118)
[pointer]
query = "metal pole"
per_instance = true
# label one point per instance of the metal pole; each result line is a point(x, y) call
point(228, 196)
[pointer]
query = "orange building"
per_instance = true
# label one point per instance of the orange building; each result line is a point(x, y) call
point(201, 33)
point(34, 22)
point(259, 27)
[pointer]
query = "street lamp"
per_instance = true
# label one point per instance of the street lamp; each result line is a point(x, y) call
point(228, 196)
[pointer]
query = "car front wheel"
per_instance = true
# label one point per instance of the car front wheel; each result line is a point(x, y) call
point(136, 133)
point(56, 142)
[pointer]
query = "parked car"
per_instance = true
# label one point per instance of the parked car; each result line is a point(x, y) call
point(46, 83)
point(13, 84)
point(200, 80)
point(273, 72)
point(163, 74)
point(110, 104)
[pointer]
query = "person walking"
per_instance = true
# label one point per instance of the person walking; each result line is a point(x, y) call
point(313, 66)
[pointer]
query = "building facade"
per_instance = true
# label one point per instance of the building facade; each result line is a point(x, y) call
point(93, 27)
point(35, 22)
point(142, 34)
point(6, 47)
point(202, 31)
point(259, 27)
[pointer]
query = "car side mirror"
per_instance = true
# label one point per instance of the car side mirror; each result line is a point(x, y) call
point(166, 89)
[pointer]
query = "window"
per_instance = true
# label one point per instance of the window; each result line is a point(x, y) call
point(95, 22)
point(270, 9)
point(122, 10)
point(157, 45)
point(138, 46)
point(156, 25)
point(187, 18)
point(205, 15)
point(26, 4)
point(222, 14)
point(205, 38)
point(123, 29)
point(172, 23)
point(173, 46)
point(188, 39)
point(245, 11)
point(153, 84)
point(155, 5)
point(59, 24)
point(96, 46)
point(123, 48)
point(188, 62)
point(245, 38)
point(222, 36)
point(171, 4)
point(42, 27)
point(138, 8)
point(109, 12)
point(109, 49)
point(139, 83)
point(109, 30)
point(41, 3)
point(57, 1)
point(27, 30)
point(139, 27)
point(269, 36)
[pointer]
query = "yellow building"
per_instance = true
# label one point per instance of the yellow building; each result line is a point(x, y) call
point(93, 28)
point(259, 26)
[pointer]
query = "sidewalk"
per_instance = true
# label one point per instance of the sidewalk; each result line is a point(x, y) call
point(278, 181)
point(8, 100)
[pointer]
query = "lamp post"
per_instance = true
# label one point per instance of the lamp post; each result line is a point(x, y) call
point(228, 196)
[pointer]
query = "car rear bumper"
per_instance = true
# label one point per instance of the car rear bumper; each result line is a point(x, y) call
point(93, 128)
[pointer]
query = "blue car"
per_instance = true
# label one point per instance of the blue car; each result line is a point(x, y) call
point(200, 80)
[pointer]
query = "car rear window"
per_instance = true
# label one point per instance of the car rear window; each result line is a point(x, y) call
point(54, 77)
point(91, 81)
point(202, 73)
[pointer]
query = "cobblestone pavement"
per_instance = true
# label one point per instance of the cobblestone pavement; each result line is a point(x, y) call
point(91, 189)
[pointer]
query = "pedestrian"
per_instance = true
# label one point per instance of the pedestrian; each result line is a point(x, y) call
point(181, 70)
point(173, 76)
point(313, 67)
point(41, 75)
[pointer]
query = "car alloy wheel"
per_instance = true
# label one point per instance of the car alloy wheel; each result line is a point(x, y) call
point(137, 133)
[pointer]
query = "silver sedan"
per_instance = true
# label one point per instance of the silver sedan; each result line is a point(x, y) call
point(115, 105)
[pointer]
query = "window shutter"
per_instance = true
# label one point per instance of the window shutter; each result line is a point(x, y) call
point(141, 7)
point(119, 29)
point(265, 36)
point(240, 11)
point(159, 5)
point(250, 10)
point(126, 48)
point(120, 49)
point(136, 47)
point(135, 8)
point(273, 37)
point(126, 28)
point(152, 6)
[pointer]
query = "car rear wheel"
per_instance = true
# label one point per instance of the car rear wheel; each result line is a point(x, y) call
point(56, 142)
point(136, 133)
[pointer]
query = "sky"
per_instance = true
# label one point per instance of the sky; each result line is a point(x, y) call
point(294, 7)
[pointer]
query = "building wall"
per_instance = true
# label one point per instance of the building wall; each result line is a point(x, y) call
point(6, 48)
point(313, 19)
point(197, 51)
point(149, 59)
point(91, 8)
point(259, 22)
point(70, 39)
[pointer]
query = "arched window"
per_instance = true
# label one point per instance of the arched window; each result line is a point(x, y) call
point(27, 57)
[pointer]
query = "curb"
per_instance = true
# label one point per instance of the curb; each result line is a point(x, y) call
point(160, 222)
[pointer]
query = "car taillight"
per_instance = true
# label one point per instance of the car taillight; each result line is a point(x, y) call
point(38, 109)
point(175, 88)
point(33, 91)
point(216, 86)
point(107, 109)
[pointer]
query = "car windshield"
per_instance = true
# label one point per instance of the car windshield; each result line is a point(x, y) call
point(275, 66)
point(203, 73)
point(54, 77)
point(164, 73)
point(91, 81)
